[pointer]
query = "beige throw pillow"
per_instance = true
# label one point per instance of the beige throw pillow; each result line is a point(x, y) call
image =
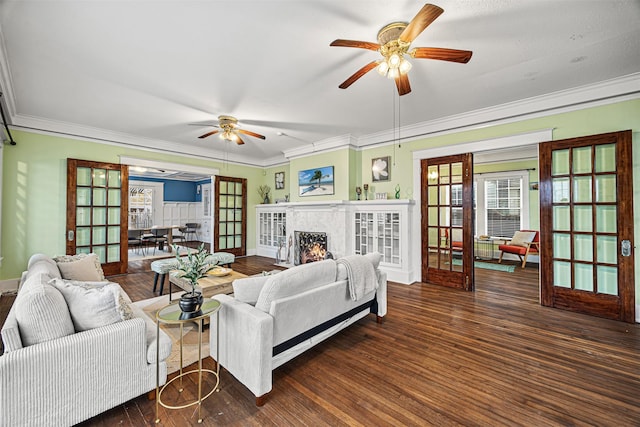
point(93, 305)
point(85, 267)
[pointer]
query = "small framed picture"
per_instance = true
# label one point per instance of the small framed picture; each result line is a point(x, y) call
point(380, 170)
point(279, 180)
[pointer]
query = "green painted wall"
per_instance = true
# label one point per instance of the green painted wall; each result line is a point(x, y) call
point(269, 176)
point(339, 159)
point(34, 192)
point(34, 175)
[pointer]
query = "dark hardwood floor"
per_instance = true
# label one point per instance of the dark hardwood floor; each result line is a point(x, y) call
point(442, 357)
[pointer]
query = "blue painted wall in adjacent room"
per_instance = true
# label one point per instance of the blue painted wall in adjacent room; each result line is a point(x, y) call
point(174, 191)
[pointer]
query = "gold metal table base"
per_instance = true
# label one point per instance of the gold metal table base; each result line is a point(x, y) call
point(171, 314)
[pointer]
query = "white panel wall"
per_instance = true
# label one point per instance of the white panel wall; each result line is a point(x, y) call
point(180, 213)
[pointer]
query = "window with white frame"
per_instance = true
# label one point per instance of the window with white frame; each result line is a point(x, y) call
point(503, 203)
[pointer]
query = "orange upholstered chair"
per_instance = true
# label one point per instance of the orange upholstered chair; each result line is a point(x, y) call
point(456, 238)
point(523, 244)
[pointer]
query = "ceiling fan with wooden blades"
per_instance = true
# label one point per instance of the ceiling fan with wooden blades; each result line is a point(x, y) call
point(230, 131)
point(394, 41)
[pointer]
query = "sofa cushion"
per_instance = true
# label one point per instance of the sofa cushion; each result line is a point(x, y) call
point(521, 238)
point(151, 335)
point(84, 267)
point(248, 289)
point(41, 311)
point(375, 258)
point(296, 280)
point(44, 265)
point(93, 305)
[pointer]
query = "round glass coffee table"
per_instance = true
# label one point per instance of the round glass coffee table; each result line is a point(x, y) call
point(172, 314)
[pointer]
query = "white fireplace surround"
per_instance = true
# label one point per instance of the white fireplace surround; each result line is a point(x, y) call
point(336, 219)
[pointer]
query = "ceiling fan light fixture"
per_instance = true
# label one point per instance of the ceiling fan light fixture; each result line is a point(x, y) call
point(405, 66)
point(383, 68)
point(394, 60)
point(393, 73)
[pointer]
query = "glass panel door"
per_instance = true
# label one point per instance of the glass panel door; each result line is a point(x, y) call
point(586, 207)
point(230, 224)
point(97, 201)
point(447, 221)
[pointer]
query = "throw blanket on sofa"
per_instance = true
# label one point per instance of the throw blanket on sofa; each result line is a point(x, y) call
point(360, 274)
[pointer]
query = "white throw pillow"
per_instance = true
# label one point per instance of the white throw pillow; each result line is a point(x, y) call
point(93, 305)
point(521, 238)
point(85, 267)
point(41, 311)
point(248, 289)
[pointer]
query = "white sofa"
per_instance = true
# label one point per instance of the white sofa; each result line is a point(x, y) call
point(272, 319)
point(52, 374)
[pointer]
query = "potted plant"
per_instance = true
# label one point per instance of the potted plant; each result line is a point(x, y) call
point(192, 268)
point(264, 191)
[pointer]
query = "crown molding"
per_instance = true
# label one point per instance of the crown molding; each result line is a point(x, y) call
point(86, 133)
point(325, 145)
point(574, 99)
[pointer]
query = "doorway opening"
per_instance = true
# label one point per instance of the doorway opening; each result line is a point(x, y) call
point(168, 204)
point(505, 193)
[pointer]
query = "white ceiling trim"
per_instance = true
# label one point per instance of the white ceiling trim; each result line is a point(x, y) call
point(157, 164)
point(330, 144)
point(603, 93)
point(607, 92)
point(80, 133)
point(509, 141)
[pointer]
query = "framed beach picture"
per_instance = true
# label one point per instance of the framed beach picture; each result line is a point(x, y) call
point(380, 170)
point(279, 180)
point(316, 181)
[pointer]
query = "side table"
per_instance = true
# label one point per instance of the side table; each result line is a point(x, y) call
point(484, 248)
point(172, 314)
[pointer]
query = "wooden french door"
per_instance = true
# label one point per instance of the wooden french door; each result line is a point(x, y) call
point(97, 204)
point(586, 221)
point(230, 219)
point(447, 221)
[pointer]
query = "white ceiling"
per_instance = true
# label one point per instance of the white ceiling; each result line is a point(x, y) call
point(155, 73)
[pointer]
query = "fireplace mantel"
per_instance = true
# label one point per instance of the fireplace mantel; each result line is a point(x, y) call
point(336, 218)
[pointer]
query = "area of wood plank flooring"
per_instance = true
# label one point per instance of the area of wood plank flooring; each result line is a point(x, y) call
point(442, 357)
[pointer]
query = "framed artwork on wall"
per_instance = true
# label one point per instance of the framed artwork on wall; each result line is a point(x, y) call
point(380, 169)
point(316, 182)
point(279, 180)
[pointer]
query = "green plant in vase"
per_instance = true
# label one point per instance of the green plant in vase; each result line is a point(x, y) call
point(193, 267)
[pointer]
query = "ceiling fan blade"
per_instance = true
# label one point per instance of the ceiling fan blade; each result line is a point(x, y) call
point(213, 132)
point(238, 140)
point(402, 83)
point(355, 43)
point(361, 72)
point(248, 132)
point(422, 20)
point(453, 55)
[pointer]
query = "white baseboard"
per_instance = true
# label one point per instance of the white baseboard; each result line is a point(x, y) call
point(9, 285)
